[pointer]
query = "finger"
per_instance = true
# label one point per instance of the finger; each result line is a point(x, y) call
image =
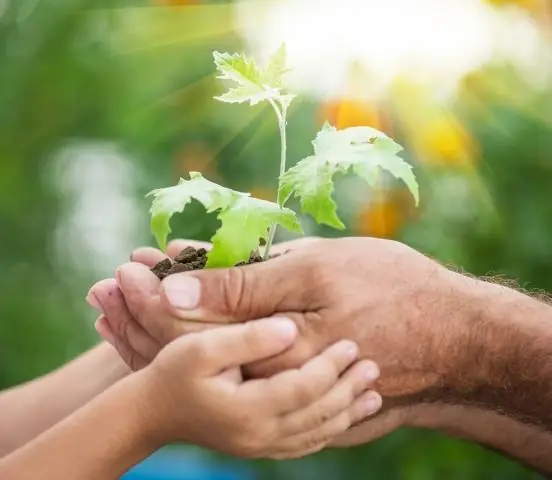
point(140, 288)
point(147, 256)
point(294, 455)
point(318, 438)
point(99, 289)
point(295, 389)
point(150, 256)
point(314, 440)
point(176, 246)
point(130, 357)
point(104, 330)
point(239, 294)
point(356, 380)
point(216, 350)
point(364, 406)
point(122, 324)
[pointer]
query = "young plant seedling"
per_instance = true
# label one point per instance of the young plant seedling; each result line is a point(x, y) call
point(246, 220)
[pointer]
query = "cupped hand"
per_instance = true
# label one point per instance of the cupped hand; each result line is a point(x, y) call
point(121, 315)
point(401, 307)
point(199, 395)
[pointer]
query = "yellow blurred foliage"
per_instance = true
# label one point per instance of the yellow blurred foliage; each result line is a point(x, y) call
point(431, 129)
point(175, 3)
point(443, 140)
point(539, 10)
point(531, 5)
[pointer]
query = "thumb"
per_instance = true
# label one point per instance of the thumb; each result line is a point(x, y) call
point(237, 294)
point(218, 350)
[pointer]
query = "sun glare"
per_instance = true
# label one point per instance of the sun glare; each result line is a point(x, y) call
point(433, 41)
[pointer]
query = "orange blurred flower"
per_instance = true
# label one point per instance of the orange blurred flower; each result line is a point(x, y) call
point(383, 218)
point(195, 157)
point(263, 193)
point(540, 10)
point(349, 112)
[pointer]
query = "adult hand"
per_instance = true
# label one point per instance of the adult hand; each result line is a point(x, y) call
point(136, 343)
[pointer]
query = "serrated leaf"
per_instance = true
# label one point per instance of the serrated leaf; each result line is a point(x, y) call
point(311, 181)
point(244, 219)
point(254, 84)
point(245, 222)
point(275, 68)
point(365, 150)
point(171, 200)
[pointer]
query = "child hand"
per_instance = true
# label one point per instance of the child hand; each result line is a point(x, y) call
point(194, 392)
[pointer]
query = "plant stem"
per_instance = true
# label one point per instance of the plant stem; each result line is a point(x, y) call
point(281, 114)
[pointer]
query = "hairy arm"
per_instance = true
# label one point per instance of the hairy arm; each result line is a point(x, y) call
point(100, 441)
point(489, 378)
point(28, 410)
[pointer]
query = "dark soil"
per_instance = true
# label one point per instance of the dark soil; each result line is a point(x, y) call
point(190, 259)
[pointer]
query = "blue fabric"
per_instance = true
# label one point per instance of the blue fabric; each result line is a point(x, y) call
point(180, 464)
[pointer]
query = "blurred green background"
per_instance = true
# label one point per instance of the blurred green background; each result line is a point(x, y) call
point(101, 102)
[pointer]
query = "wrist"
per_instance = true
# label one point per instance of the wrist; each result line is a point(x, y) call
point(150, 414)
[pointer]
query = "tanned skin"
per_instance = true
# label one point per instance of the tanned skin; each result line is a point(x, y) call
point(466, 356)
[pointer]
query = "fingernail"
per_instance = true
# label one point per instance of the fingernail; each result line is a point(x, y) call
point(94, 301)
point(283, 327)
point(182, 291)
point(350, 350)
point(371, 372)
point(372, 404)
point(118, 276)
point(104, 330)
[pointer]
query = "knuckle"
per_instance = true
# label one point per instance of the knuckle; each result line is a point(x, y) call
point(236, 296)
point(197, 349)
point(320, 417)
point(316, 441)
point(252, 441)
point(303, 392)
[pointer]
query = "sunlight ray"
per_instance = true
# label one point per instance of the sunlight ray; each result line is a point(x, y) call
point(267, 127)
point(146, 28)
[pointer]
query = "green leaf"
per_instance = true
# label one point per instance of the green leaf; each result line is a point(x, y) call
point(311, 181)
point(254, 84)
point(244, 223)
point(365, 150)
point(244, 219)
point(171, 200)
point(275, 68)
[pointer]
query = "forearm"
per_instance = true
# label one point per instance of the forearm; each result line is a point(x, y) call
point(100, 441)
point(495, 374)
point(520, 441)
point(485, 374)
point(29, 409)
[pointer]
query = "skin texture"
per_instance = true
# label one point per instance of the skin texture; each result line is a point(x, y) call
point(194, 392)
point(465, 356)
point(28, 410)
